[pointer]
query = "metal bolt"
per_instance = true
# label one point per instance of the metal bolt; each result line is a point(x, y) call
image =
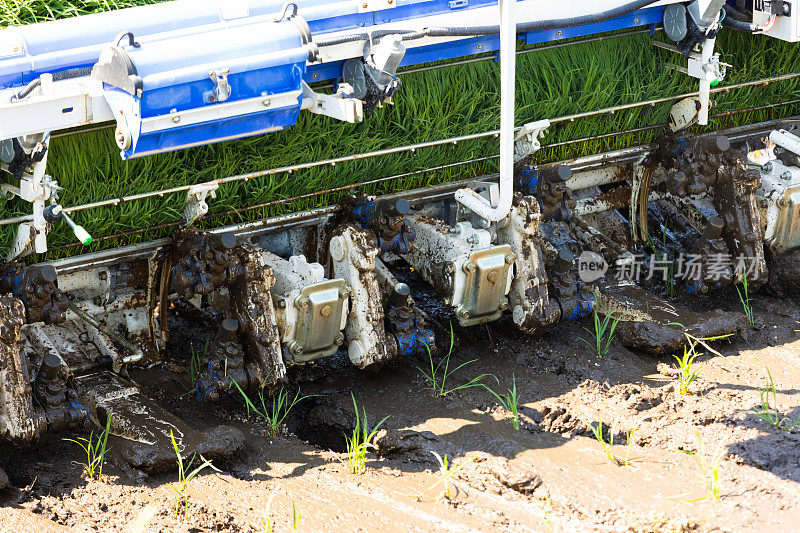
point(282, 303)
point(786, 175)
point(767, 167)
point(315, 75)
point(302, 303)
point(782, 202)
point(365, 5)
point(453, 230)
point(636, 20)
point(326, 311)
point(480, 47)
point(267, 102)
point(339, 340)
point(492, 276)
point(470, 267)
point(343, 294)
point(464, 313)
point(510, 258)
point(473, 239)
point(504, 305)
point(558, 33)
point(297, 349)
point(176, 119)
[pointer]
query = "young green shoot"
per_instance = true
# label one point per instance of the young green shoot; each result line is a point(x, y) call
point(744, 297)
point(185, 475)
point(275, 413)
point(437, 375)
point(509, 401)
point(608, 445)
point(768, 410)
point(297, 515)
point(446, 473)
point(360, 442)
point(266, 520)
point(195, 364)
point(95, 450)
point(603, 333)
point(687, 374)
point(709, 474)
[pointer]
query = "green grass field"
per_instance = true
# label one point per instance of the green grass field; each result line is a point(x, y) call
point(439, 103)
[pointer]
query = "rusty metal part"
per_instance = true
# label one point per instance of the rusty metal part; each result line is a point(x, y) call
point(531, 306)
point(711, 244)
point(206, 262)
point(203, 262)
point(575, 299)
point(709, 166)
point(404, 320)
point(37, 287)
point(224, 365)
point(18, 420)
point(554, 195)
point(353, 252)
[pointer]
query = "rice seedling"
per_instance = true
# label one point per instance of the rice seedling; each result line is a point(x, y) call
point(266, 520)
point(446, 473)
point(768, 409)
point(608, 445)
point(603, 333)
point(510, 402)
point(437, 375)
point(275, 413)
point(95, 450)
point(185, 475)
point(687, 374)
point(360, 442)
point(709, 471)
point(744, 298)
point(297, 515)
point(195, 366)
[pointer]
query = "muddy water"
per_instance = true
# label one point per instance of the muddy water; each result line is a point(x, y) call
point(547, 476)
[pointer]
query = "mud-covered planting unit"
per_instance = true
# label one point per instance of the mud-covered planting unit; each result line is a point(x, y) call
point(617, 234)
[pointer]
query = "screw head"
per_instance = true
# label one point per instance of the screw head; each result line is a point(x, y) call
point(282, 303)
point(492, 276)
point(176, 119)
point(302, 303)
point(786, 175)
point(510, 258)
point(365, 5)
point(326, 311)
point(504, 305)
point(297, 349)
point(767, 167)
point(470, 267)
point(343, 294)
point(464, 313)
point(267, 102)
point(338, 340)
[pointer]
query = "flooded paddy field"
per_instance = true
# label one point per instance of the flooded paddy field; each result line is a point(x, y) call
point(701, 461)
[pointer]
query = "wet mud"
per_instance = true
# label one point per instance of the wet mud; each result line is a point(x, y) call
point(550, 475)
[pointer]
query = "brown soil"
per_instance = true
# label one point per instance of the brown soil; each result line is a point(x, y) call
point(550, 475)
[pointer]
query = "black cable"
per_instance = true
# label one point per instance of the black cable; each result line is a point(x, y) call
point(738, 25)
point(475, 31)
point(57, 76)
